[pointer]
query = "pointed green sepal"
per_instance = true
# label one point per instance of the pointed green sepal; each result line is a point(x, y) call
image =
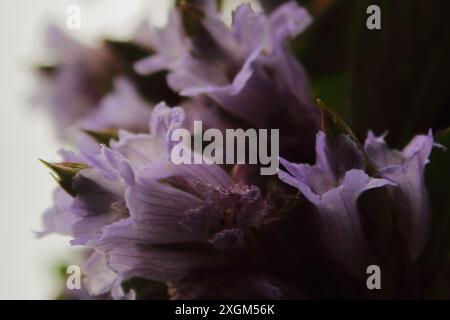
point(103, 137)
point(64, 173)
point(128, 51)
point(47, 70)
point(333, 125)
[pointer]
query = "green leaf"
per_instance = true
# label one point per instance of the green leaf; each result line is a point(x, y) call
point(333, 125)
point(334, 88)
point(64, 173)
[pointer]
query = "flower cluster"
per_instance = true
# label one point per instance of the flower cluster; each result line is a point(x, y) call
point(210, 231)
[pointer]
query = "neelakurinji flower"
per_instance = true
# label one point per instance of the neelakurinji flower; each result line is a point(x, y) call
point(246, 69)
point(89, 88)
point(212, 232)
point(333, 185)
point(134, 207)
point(338, 179)
point(73, 87)
point(123, 108)
point(170, 42)
point(406, 169)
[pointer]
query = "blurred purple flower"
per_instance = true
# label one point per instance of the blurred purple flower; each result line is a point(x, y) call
point(76, 90)
point(77, 83)
point(247, 69)
point(121, 109)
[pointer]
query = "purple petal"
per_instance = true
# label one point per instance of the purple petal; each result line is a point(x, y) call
point(123, 109)
point(129, 254)
point(406, 170)
point(59, 218)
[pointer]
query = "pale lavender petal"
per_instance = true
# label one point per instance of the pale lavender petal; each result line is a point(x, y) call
point(94, 193)
point(63, 46)
point(121, 109)
point(129, 253)
point(170, 45)
point(100, 279)
point(73, 90)
point(59, 219)
point(340, 219)
point(420, 147)
point(143, 149)
point(288, 20)
point(157, 210)
point(334, 185)
point(379, 153)
point(406, 170)
point(98, 202)
point(250, 28)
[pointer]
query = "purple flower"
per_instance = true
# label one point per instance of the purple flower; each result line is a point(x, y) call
point(121, 109)
point(171, 220)
point(406, 169)
point(333, 185)
point(246, 69)
point(224, 214)
point(100, 279)
point(97, 200)
point(79, 80)
point(136, 208)
point(210, 231)
point(169, 43)
point(76, 88)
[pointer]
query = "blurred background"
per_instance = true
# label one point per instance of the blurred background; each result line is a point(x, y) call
point(393, 79)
